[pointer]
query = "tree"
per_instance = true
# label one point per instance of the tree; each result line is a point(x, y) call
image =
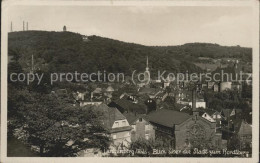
point(59, 129)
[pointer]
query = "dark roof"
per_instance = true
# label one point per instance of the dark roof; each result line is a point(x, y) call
point(167, 117)
point(148, 90)
point(130, 106)
point(110, 115)
point(131, 117)
point(125, 128)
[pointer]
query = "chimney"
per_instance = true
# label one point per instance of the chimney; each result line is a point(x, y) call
point(194, 100)
point(194, 109)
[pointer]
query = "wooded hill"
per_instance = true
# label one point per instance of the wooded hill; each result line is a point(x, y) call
point(67, 52)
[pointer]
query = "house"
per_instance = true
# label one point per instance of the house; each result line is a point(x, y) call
point(117, 125)
point(109, 91)
point(227, 113)
point(80, 95)
point(141, 127)
point(124, 105)
point(89, 102)
point(216, 87)
point(225, 86)
point(85, 38)
point(97, 93)
point(234, 112)
point(151, 92)
point(61, 92)
point(210, 85)
point(199, 104)
point(207, 116)
point(245, 135)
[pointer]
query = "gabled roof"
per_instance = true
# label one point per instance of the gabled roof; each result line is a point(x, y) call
point(131, 117)
point(168, 118)
point(110, 89)
point(208, 111)
point(130, 106)
point(245, 129)
point(110, 115)
point(226, 112)
point(148, 90)
point(98, 90)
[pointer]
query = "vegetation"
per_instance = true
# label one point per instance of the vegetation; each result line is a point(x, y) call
point(50, 123)
point(67, 52)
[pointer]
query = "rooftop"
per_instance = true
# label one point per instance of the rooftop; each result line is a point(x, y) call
point(168, 118)
point(110, 115)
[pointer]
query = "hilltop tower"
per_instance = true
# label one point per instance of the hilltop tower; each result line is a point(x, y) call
point(64, 28)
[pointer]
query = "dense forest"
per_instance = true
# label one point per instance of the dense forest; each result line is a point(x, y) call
point(68, 52)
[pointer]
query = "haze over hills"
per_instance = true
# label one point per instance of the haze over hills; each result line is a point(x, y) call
point(68, 52)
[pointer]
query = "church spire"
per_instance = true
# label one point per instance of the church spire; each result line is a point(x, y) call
point(147, 68)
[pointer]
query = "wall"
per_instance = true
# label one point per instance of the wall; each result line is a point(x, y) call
point(121, 137)
point(184, 133)
point(120, 123)
point(225, 85)
point(208, 117)
point(142, 129)
point(199, 104)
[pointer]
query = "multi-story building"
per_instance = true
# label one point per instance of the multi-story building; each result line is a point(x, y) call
point(117, 126)
point(141, 127)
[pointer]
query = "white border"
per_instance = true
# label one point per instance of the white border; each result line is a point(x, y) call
point(253, 3)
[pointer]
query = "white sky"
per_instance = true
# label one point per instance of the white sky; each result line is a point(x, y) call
point(143, 25)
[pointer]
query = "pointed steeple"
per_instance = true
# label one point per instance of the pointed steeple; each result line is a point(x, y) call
point(147, 68)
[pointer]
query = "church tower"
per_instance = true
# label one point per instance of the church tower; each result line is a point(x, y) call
point(147, 73)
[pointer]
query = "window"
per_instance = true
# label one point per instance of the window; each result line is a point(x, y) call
point(116, 124)
point(124, 123)
point(140, 119)
point(114, 136)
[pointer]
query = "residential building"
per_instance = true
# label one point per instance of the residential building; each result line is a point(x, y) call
point(141, 127)
point(117, 125)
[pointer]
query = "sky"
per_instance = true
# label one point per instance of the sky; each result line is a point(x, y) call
point(146, 25)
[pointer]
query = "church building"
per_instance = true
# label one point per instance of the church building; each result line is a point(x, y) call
point(185, 131)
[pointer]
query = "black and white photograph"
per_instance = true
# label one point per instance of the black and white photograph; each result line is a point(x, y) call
point(130, 81)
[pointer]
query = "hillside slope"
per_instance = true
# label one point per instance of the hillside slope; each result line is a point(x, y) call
point(67, 52)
